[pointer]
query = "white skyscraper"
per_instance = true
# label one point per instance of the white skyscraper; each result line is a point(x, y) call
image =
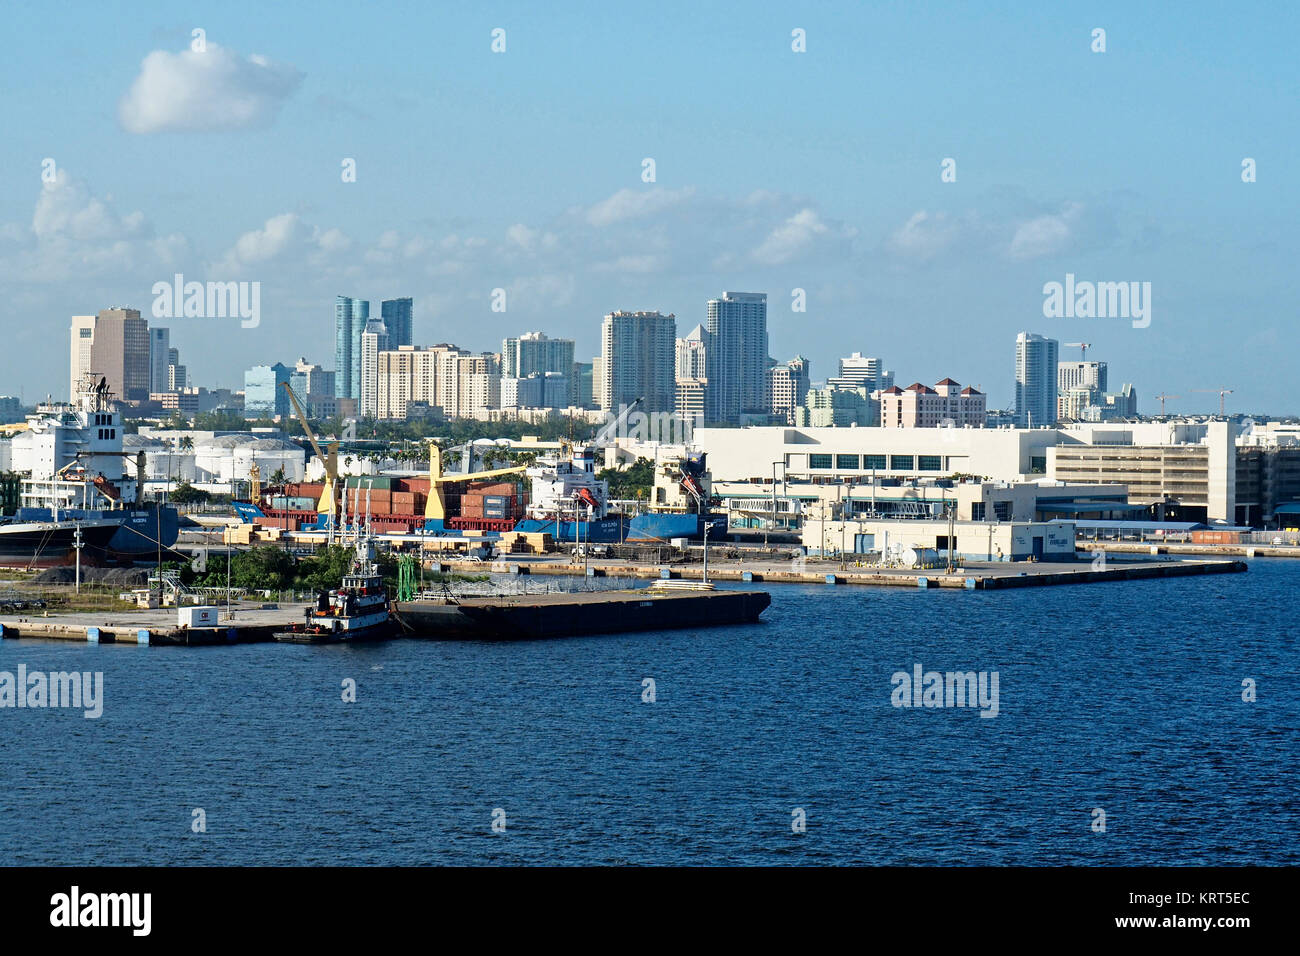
point(1036, 375)
point(637, 361)
point(738, 356)
point(862, 371)
point(373, 341)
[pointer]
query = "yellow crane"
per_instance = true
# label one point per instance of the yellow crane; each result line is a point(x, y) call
point(331, 461)
point(435, 507)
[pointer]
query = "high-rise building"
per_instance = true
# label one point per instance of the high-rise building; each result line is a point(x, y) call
point(1081, 374)
point(1078, 386)
point(373, 341)
point(738, 354)
point(637, 352)
point(114, 344)
point(862, 371)
point(264, 394)
point(311, 382)
point(350, 318)
point(397, 316)
point(534, 353)
point(1036, 371)
point(159, 359)
point(83, 341)
point(406, 376)
point(788, 384)
point(694, 397)
point(177, 374)
point(581, 382)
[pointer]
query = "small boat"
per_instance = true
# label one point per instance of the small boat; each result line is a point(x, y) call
point(357, 610)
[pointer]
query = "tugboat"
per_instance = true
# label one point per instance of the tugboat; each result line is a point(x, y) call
point(358, 610)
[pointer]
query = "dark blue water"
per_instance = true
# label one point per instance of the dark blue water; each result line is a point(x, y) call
point(1122, 696)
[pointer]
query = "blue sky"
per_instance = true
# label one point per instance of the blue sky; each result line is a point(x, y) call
point(775, 170)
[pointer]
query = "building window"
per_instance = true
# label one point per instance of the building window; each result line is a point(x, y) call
point(1038, 464)
point(819, 461)
point(873, 461)
point(1002, 510)
point(930, 463)
point(900, 462)
point(977, 511)
point(847, 461)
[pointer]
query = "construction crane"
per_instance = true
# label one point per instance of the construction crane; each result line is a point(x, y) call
point(1162, 398)
point(331, 461)
point(1082, 347)
point(254, 483)
point(1223, 392)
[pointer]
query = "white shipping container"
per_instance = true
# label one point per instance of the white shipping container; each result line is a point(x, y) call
point(200, 616)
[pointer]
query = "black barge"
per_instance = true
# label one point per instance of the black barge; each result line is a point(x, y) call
point(531, 616)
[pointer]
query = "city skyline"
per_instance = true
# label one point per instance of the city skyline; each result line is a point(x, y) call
point(856, 215)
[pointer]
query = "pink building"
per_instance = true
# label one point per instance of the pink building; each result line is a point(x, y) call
point(920, 406)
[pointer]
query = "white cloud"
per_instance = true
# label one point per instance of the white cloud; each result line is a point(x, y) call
point(213, 90)
point(1045, 235)
point(283, 237)
point(65, 208)
point(635, 204)
point(791, 238)
point(923, 236)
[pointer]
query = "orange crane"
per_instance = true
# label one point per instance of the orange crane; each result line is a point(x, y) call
point(1223, 392)
point(1082, 347)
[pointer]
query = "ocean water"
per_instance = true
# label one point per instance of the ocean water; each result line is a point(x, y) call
point(1125, 697)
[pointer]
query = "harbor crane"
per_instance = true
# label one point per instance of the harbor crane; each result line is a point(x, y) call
point(435, 505)
point(1223, 392)
point(1162, 398)
point(1082, 347)
point(325, 505)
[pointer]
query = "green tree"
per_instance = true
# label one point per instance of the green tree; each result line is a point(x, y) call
point(634, 481)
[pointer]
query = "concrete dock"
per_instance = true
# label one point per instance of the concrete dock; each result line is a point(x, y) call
point(970, 576)
point(250, 624)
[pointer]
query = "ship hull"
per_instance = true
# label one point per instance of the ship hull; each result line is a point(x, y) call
point(137, 534)
point(536, 616)
point(39, 544)
point(661, 528)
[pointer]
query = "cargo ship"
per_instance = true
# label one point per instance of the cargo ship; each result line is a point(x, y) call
point(683, 495)
point(534, 616)
point(568, 502)
point(72, 454)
